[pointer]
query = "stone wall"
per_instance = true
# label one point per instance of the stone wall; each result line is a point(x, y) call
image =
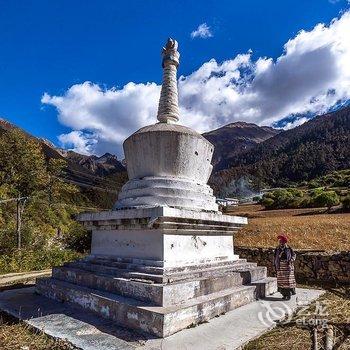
point(315, 266)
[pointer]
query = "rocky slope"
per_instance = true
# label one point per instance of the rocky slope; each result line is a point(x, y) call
point(235, 138)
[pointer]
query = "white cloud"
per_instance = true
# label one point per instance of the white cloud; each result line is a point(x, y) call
point(78, 141)
point(295, 123)
point(110, 114)
point(203, 31)
point(311, 75)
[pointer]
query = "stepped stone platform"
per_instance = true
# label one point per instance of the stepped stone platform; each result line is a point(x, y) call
point(87, 331)
point(154, 299)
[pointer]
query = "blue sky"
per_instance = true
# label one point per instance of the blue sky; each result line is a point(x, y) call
point(50, 46)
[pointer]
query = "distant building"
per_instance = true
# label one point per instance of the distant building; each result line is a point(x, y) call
point(227, 202)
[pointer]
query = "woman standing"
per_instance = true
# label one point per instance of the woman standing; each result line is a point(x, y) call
point(284, 265)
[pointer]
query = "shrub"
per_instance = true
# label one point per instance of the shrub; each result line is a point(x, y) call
point(31, 260)
point(306, 202)
point(295, 198)
point(296, 192)
point(77, 238)
point(297, 202)
point(317, 191)
point(282, 198)
point(346, 202)
point(327, 199)
point(268, 203)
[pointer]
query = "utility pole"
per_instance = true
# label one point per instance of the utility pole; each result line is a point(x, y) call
point(18, 226)
point(314, 339)
point(329, 340)
point(21, 202)
point(19, 212)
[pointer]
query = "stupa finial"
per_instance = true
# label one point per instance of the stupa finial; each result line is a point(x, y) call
point(168, 109)
point(170, 54)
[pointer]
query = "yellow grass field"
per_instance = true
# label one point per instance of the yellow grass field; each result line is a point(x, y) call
point(306, 228)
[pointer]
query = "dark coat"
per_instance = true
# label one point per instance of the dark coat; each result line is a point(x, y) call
point(288, 253)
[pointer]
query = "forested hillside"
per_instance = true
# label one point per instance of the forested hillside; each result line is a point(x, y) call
point(99, 178)
point(39, 201)
point(313, 149)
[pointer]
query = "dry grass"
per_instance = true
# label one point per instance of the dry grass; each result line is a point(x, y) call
point(293, 337)
point(306, 228)
point(337, 302)
point(18, 336)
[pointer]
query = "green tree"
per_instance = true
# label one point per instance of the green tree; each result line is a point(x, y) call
point(327, 199)
point(56, 188)
point(51, 204)
point(22, 163)
point(317, 191)
point(283, 198)
point(267, 202)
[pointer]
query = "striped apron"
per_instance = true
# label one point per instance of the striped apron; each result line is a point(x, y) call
point(285, 275)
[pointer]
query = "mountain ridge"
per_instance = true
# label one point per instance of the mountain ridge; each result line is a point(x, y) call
point(91, 173)
point(235, 138)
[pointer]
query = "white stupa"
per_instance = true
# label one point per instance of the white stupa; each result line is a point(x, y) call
point(163, 259)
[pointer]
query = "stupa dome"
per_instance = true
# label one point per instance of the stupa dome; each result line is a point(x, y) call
point(168, 150)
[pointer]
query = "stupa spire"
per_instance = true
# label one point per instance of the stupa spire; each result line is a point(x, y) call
point(168, 109)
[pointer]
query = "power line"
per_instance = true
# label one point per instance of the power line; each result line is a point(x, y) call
point(54, 204)
point(13, 199)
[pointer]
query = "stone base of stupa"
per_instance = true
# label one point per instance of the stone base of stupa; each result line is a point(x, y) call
point(159, 270)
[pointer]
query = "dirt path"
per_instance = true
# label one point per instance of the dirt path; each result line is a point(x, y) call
point(22, 277)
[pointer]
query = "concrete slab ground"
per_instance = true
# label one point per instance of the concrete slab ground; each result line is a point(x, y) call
point(88, 332)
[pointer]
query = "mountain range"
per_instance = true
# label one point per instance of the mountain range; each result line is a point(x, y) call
point(84, 169)
point(310, 150)
point(260, 155)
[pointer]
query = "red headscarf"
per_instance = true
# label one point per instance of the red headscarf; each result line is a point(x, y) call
point(283, 238)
